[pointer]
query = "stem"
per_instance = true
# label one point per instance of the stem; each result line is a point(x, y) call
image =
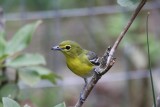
point(149, 61)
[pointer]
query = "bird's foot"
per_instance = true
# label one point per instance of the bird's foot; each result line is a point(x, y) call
point(97, 71)
point(82, 99)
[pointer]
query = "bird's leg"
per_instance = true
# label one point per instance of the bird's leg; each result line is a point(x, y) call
point(103, 62)
point(81, 94)
point(97, 70)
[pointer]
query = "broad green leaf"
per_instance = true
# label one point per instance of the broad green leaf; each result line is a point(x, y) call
point(10, 90)
point(44, 73)
point(128, 3)
point(22, 38)
point(26, 60)
point(7, 102)
point(29, 77)
point(61, 105)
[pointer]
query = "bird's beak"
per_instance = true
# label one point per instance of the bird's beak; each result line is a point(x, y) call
point(57, 48)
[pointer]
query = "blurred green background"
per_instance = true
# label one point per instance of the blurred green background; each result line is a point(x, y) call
point(95, 24)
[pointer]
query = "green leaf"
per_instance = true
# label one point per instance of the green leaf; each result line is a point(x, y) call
point(43, 73)
point(22, 38)
point(7, 102)
point(10, 90)
point(26, 60)
point(33, 74)
point(128, 3)
point(61, 105)
point(29, 77)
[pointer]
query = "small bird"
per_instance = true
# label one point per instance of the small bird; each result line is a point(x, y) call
point(80, 61)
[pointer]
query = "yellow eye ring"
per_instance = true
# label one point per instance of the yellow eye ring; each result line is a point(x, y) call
point(68, 47)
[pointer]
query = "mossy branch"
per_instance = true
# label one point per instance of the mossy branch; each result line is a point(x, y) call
point(107, 60)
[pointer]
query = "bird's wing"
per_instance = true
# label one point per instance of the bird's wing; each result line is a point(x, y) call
point(93, 58)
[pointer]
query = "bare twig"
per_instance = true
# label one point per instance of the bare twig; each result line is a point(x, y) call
point(149, 62)
point(107, 60)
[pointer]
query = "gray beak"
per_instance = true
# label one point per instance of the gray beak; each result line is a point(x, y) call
point(57, 48)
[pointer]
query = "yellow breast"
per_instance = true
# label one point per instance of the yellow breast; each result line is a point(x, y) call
point(80, 66)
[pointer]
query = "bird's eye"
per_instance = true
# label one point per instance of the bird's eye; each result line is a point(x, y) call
point(68, 47)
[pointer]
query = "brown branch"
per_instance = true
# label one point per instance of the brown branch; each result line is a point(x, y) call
point(107, 60)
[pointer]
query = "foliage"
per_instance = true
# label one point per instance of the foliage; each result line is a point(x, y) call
point(42, 97)
point(9, 89)
point(28, 67)
point(8, 102)
point(21, 39)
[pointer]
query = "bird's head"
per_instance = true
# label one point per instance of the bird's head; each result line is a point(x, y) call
point(69, 48)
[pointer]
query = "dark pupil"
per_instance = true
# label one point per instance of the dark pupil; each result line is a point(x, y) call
point(68, 47)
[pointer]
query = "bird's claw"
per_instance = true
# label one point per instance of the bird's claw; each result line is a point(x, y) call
point(97, 71)
point(82, 99)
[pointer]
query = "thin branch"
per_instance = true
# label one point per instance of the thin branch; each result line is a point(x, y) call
point(149, 61)
point(107, 57)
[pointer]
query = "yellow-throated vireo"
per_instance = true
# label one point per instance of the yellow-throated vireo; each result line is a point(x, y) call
point(80, 61)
